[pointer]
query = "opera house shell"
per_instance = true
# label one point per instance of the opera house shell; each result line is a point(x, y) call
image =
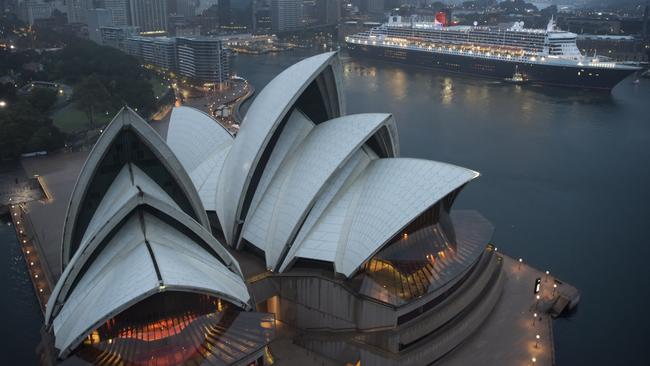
point(307, 217)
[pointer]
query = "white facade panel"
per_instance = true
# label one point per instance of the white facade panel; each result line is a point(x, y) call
point(201, 145)
point(302, 177)
point(122, 272)
point(265, 113)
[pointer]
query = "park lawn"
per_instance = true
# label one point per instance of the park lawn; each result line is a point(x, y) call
point(70, 119)
point(158, 89)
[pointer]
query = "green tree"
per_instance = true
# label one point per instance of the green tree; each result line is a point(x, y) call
point(23, 128)
point(45, 138)
point(43, 99)
point(91, 96)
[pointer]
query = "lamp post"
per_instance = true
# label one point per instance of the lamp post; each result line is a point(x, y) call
point(520, 260)
point(536, 340)
point(536, 301)
point(554, 287)
point(534, 318)
point(547, 273)
point(533, 361)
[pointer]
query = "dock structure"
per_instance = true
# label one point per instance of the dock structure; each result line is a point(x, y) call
point(508, 336)
point(38, 271)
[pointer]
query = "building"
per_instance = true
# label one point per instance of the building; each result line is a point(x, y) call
point(96, 19)
point(32, 10)
point(356, 248)
point(590, 25)
point(262, 23)
point(119, 11)
point(286, 15)
point(144, 278)
point(76, 10)
point(117, 37)
point(202, 59)
point(618, 48)
point(158, 51)
point(375, 7)
point(329, 11)
point(187, 8)
point(149, 15)
point(224, 11)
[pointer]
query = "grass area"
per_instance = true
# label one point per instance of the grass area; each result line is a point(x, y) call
point(70, 119)
point(159, 86)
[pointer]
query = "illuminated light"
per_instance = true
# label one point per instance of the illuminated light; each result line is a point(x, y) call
point(405, 236)
point(31, 263)
point(35, 276)
point(27, 251)
point(40, 290)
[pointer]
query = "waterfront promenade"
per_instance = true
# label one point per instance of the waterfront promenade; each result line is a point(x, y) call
point(509, 335)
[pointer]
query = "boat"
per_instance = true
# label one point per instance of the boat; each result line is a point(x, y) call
point(545, 56)
point(517, 77)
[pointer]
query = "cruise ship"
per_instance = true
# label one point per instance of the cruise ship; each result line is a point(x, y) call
point(542, 56)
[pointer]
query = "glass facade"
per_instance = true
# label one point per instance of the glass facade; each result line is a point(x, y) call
point(425, 256)
point(172, 328)
point(127, 148)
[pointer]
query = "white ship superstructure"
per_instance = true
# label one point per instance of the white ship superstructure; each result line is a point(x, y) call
point(514, 44)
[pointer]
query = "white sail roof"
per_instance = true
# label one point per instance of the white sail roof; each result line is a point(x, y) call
point(201, 145)
point(386, 197)
point(146, 139)
point(124, 272)
point(138, 238)
point(302, 177)
point(263, 117)
point(300, 183)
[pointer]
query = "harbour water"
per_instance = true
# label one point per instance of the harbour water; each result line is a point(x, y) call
point(564, 178)
point(22, 316)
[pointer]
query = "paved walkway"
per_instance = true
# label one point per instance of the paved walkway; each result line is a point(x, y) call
point(58, 174)
point(508, 336)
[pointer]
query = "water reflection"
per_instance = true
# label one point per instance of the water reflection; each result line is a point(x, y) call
point(397, 84)
point(447, 93)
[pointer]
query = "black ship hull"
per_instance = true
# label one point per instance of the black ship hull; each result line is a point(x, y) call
point(587, 77)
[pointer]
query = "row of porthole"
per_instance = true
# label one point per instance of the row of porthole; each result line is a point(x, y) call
point(590, 74)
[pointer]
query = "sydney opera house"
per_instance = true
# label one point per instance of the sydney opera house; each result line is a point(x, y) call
point(195, 249)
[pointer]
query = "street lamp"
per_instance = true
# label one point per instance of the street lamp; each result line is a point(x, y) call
point(547, 273)
point(533, 361)
point(536, 340)
point(534, 318)
point(3, 104)
point(536, 301)
point(520, 260)
point(554, 287)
